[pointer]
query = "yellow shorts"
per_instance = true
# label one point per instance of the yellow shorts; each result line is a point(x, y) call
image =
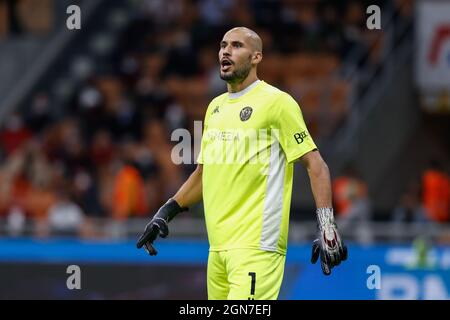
point(244, 274)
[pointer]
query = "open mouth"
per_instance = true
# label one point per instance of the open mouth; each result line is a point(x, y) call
point(225, 65)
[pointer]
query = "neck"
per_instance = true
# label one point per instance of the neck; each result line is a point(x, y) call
point(239, 86)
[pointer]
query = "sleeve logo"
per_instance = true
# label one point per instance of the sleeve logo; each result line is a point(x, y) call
point(299, 137)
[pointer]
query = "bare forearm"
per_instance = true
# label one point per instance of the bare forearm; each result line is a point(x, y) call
point(319, 176)
point(321, 185)
point(191, 191)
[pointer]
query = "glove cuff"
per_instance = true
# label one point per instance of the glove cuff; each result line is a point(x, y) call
point(169, 210)
point(325, 217)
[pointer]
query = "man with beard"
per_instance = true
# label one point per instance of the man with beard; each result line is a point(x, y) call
point(253, 135)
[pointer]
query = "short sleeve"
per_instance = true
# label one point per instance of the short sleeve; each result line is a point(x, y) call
point(291, 130)
point(200, 159)
point(200, 154)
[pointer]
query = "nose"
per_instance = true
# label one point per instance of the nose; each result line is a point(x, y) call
point(226, 51)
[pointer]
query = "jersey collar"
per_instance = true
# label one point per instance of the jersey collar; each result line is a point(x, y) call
point(235, 95)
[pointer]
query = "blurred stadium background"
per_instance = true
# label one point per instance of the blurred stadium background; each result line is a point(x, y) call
point(85, 141)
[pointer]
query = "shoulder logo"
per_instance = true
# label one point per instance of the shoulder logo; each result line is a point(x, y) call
point(300, 136)
point(246, 113)
point(216, 110)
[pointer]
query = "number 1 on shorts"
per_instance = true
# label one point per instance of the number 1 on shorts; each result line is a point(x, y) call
point(252, 288)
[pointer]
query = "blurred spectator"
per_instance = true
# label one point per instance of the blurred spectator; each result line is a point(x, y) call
point(39, 200)
point(86, 193)
point(39, 116)
point(350, 193)
point(181, 57)
point(331, 30)
point(410, 208)
point(129, 194)
point(65, 217)
point(89, 97)
point(354, 25)
point(409, 215)
point(436, 192)
point(352, 203)
point(102, 148)
point(214, 12)
point(161, 11)
point(15, 222)
point(71, 149)
point(14, 134)
point(170, 175)
point(14, 184)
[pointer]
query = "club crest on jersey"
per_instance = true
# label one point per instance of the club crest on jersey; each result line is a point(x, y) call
point(246, 113)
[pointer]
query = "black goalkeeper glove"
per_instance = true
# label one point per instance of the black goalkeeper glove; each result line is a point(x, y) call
point(158, 226)
point(328, 245)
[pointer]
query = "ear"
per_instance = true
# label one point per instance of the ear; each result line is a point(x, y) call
point(257, 57)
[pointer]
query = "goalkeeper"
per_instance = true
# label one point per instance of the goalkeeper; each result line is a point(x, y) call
point(247, 202)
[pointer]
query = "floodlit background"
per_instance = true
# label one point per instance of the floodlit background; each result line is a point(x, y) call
point(86, 118)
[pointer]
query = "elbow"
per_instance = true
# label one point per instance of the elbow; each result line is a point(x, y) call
point(315, 164)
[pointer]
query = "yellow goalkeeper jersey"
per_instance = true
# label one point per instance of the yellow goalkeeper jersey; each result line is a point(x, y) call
point(249, 144)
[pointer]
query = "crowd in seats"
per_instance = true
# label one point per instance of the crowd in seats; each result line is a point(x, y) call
point(427, 198)
point(424, 204)
point(55, 174)
point(351, 202)
point(108, 153)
